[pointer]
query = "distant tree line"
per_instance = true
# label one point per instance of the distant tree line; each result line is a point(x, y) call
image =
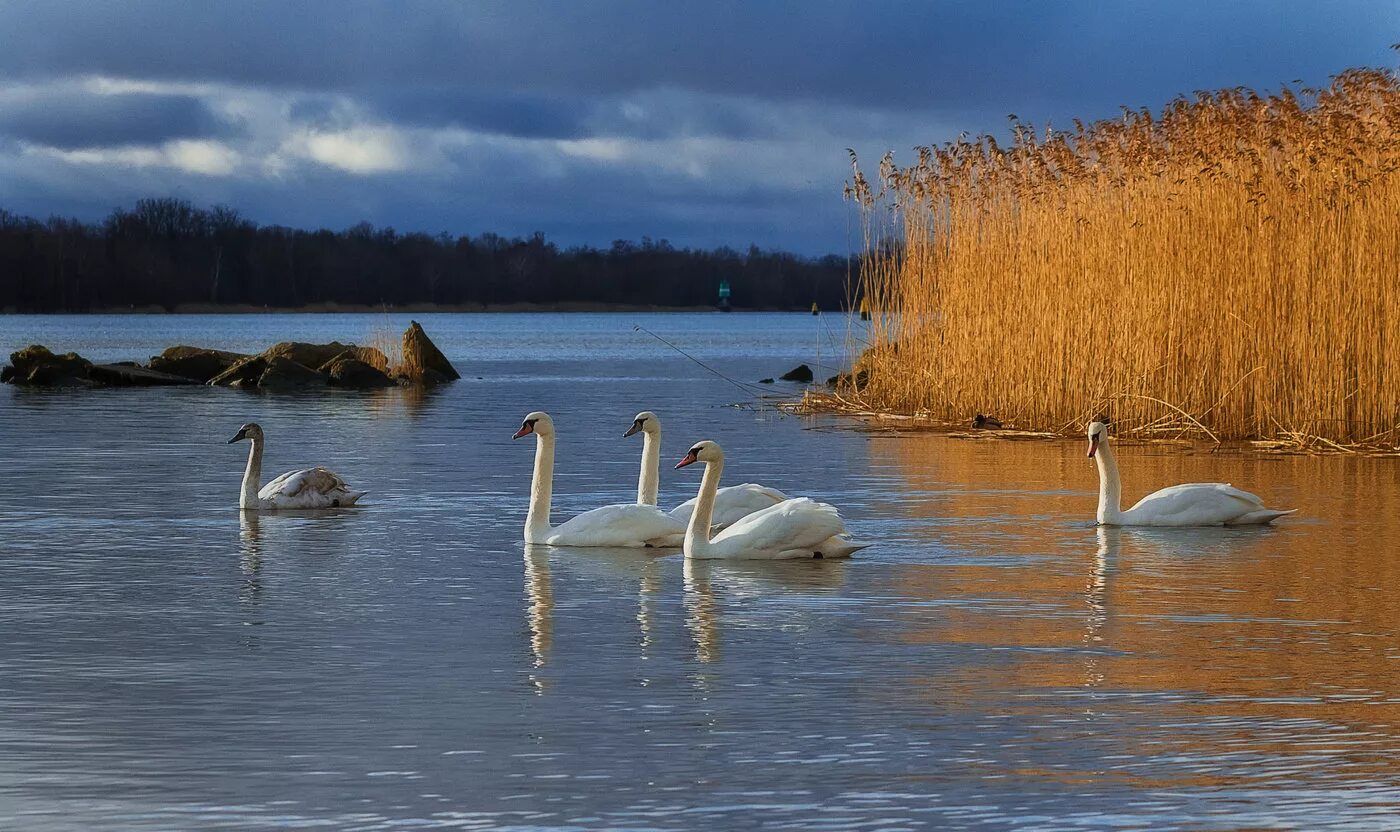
point(167, 252)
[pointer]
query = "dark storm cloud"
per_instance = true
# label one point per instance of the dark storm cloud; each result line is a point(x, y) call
point(706, 123)
point(906, 54)
point(524, 115)
point(76, 119)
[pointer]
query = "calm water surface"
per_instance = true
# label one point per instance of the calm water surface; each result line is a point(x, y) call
point(993, 662)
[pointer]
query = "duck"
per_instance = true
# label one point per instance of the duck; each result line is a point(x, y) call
point(307, 488)
point(792, 529)
point(1192, 504)
point(732, 503)
point(622, 525)
point(984, 422)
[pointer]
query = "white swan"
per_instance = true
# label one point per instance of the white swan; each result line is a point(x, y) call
point(621, 525)
point(308, 488)
point(798, 528)
point(731, 502)
point(1193, 504)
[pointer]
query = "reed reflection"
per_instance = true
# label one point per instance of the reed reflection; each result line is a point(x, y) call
point(1267, 643)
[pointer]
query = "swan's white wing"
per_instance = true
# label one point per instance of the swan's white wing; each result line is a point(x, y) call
point(624, 525)
point(732, 503)
point(792, 525)
point(1193, 504)
point(309, 488)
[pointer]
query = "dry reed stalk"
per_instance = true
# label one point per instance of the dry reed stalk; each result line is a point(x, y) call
point(1233, 259)
point(383, 338)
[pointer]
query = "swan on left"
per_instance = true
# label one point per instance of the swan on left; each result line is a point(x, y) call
point(307, 488)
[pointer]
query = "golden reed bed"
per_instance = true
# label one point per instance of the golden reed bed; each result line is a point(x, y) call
point(1230, 266)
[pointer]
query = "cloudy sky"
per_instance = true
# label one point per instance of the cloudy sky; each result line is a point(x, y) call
point(706, 123)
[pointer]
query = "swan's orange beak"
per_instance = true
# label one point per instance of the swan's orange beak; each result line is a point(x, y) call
point(1093, 446)
point(525, 430)
point(690, 459)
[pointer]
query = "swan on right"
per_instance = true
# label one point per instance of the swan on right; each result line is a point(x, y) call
point(1192, 504)
point(791, 529)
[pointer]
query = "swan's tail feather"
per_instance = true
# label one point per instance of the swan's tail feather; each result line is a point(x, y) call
point(1262, 517)
point(840, 547)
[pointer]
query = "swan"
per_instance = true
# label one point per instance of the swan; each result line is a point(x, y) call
point(796, 528)
point(308, 488)
point(620, 525)
point(1193, 504)
point(731, 503)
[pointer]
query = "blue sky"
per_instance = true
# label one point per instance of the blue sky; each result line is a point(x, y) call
point(705, 123)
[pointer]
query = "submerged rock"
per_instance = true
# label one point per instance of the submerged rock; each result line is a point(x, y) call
point(801, 373)
point(285, 374)
point(423, 362)
point(130, 375)
point(345, 370)
point(194, 362)
point(766, 381)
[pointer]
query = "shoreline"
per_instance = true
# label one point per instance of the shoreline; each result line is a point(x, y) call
point(861, 418)
point(406, 309)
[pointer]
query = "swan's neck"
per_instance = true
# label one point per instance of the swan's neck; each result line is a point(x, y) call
point(541, 490)
point(1110, 487)
point(252, 477)
point(649, 482)
point(697, 534)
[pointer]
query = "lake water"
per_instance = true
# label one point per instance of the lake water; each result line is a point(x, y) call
point(994, 661)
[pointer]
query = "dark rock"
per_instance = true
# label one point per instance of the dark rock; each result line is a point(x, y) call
point(801, 373)
point(131, 375)
point(37, 366)
point(846, 380)
point(243, 373)
point(345, 370)
point(765, 381)
point(285, 374)
point(194, 362)
point(423, 362)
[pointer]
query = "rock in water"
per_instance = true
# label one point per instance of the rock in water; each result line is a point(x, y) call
point(801, 373)
point(194, 362)
point(37, 366)
point(345, 370)
point(244, 373)
point(285, 374)
point(130, 375)
point(307, 355)
point(423, 362)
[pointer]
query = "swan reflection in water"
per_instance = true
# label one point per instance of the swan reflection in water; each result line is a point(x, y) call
point(250, 556)
point(1110, 541)
point(744, 581)
point(1151, 549)
point(740, 582)
point(539, 611)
